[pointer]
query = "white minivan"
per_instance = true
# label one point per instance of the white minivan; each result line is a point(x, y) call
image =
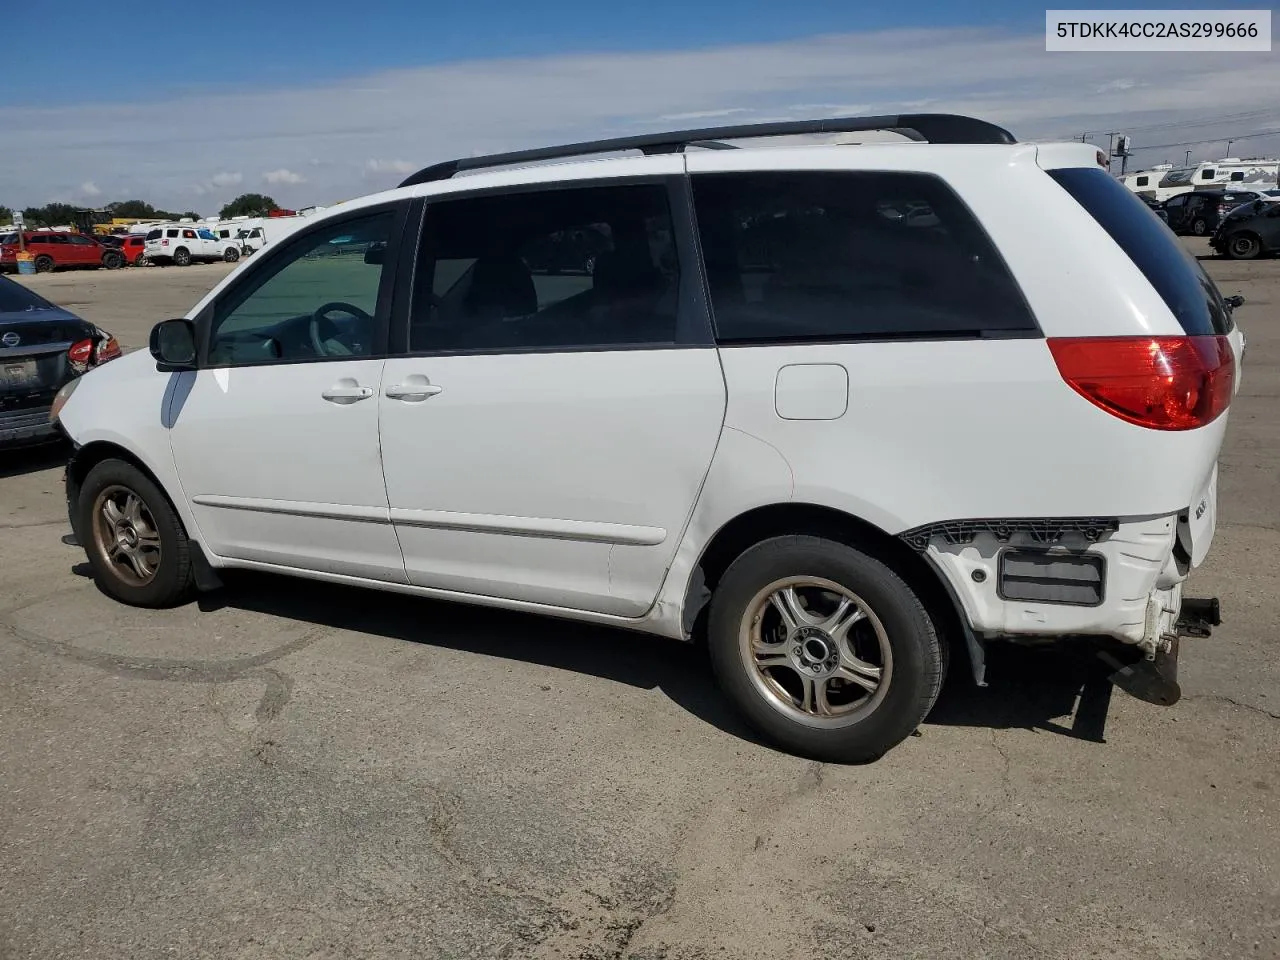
point(845, 413)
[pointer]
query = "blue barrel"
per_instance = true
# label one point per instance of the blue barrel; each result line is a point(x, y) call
point(26, 265)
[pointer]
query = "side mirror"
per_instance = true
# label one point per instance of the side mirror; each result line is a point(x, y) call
point(375, 254)
point(1233, 303)
point(173, 344)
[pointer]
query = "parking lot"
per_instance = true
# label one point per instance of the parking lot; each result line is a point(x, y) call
point(289, 769)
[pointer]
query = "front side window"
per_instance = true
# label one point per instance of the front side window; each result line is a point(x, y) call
point(834, 256)
point(318, 300)
point(545, 270)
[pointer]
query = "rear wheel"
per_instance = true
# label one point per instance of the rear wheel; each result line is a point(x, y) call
point(44, 263)
point(1199, 226)
point(1243, 246)
point(133, 537)
point(826, 650)
point(141, 260)
point(112, 260)
point(182, 257)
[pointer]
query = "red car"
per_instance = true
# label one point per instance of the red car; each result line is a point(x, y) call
point(53, 250)
point(134, 248)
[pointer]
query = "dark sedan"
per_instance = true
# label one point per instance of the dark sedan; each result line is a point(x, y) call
point(42, 347)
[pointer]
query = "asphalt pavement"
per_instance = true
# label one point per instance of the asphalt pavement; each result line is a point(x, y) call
point(289, 770)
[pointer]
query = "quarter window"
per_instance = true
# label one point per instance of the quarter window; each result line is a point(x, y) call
point(545, 270)
point(849, 255)
point(318, 300)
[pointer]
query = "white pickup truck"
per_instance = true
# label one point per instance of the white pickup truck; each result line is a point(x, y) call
point(186, 243)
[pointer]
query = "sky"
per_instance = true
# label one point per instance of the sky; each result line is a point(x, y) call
point(314, 102)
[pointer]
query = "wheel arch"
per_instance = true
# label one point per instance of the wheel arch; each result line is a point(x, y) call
point(85, 458)
point(780, 519)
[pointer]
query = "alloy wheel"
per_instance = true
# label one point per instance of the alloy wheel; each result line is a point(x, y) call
point(126, 536)
point(816, 651)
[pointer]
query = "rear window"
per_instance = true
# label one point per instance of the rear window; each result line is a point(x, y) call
point(15, 298)
point(813, 256)
point(1174, 273)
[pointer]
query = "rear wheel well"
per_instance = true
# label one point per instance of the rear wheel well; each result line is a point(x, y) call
point(763, 523)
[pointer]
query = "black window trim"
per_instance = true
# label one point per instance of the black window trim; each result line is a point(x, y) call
point(386, 285)
point(693, 314)
point(1033, 332)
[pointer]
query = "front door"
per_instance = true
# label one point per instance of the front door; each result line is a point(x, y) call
point(547, 433)
point(276, 437)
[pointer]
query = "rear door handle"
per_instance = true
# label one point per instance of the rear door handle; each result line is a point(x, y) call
point(415, 389)
point(346, 391)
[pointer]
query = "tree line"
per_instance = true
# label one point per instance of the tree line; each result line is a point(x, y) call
point(56, 214)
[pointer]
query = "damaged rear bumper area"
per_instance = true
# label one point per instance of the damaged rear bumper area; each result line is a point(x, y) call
point(1113, 584)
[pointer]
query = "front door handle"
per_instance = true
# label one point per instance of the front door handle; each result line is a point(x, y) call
point(346, 391)
point(415, 389)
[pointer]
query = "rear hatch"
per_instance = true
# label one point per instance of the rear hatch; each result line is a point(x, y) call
point(1193, 299)
point(35, 337)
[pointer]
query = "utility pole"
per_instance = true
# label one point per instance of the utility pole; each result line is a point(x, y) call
point(1229, 143)
point(1187, 161)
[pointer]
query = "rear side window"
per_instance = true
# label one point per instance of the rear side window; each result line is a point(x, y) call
point(155, 234)
point(794, 257)
point(1176, 275)
point(171, 233)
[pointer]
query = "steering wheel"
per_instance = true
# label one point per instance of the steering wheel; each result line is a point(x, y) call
point(321, 317)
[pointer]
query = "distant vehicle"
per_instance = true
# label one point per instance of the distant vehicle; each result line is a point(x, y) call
point(1156, 206)
point(1250, 230)
point(182, 244)
point(42, 348)
point(134, 248)
point(57, 250)
point(1200, 211)
point(1165, 181)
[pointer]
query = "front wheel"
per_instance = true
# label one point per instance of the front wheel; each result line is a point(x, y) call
point(826, 650)
point(134, 539)
point(231, 255)
point(112, 261)
point(1244, 246)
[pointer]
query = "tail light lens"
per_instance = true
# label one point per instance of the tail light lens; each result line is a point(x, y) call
point(91, 352)
point(108, 349)
point(1164, 383)
point(81, 355)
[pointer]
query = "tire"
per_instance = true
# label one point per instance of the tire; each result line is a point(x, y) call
point(895, 636)
point(139, 556)
point(44, 263)
point(112, 261)
point(141, 260)
point(1243, 246)
point(1199, 226)
point(231, 255)
point(182, 257)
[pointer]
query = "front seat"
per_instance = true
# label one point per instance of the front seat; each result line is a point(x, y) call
point(501, 288)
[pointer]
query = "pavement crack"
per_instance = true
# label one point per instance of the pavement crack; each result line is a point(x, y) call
point(1006, 783)
point(1274, 715)
point(277, 690)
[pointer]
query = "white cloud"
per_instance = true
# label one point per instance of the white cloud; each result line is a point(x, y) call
point(282, 175)
point(389, 166)
point(90, 189)
point(461, 108)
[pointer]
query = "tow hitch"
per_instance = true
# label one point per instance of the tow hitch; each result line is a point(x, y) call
point(1155, 679)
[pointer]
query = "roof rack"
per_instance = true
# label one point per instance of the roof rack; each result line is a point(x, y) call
point(927, 127)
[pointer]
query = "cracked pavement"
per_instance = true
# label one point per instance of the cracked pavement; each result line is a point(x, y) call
point(290, 770)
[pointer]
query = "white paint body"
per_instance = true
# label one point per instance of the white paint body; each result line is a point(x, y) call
point(589, 484)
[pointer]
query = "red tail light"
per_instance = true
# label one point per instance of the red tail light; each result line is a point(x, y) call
point(108, 349)
point(1165, 383)
point(81, 354)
